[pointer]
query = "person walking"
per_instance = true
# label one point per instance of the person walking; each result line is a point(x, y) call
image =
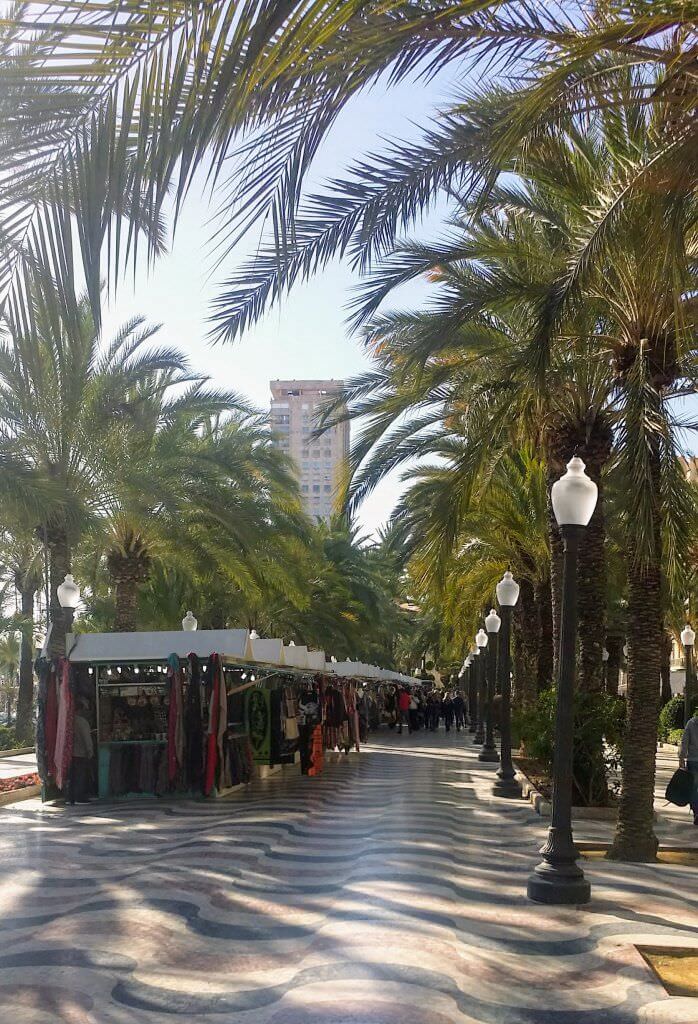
point(448, 711)
point(688, 758)
point(434, 710)
point(83, 752)
point(404, 700)
point(459, 710)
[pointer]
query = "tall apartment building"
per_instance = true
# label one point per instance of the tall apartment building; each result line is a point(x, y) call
point(294, 408)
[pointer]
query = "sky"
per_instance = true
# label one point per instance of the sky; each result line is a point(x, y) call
point(306, 336)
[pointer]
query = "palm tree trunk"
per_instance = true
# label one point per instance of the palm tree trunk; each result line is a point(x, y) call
point(614, 646)
point(526, 646)
point(556, 554)
point(126, 599)
point(635, 839)
point(59, 565)
point(25, 699)
point(665, 670)
point(544, 609)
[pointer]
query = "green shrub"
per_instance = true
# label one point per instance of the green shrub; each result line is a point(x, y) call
point(675, 737)
point(670, 718)
point(7, 738)
point(597, 718)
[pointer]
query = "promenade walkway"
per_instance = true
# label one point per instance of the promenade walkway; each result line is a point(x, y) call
point(390, 891)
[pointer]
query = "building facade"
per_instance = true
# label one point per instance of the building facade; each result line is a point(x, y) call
point(295, 405)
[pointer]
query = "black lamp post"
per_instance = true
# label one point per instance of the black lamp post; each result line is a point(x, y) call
point(688, 638)
point(558, 878)
point(472, 692)
point(480, 645)
point(492, 625)
point(604, 659)
point(506, 784)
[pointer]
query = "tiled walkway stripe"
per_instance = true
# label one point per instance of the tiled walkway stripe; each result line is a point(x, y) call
point(390, 891)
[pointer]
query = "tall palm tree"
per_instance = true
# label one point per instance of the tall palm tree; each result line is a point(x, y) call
point(90, 157)
point(22, 566)
point(61, 390)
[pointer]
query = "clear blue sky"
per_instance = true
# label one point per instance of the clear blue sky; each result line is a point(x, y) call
point(306, 336)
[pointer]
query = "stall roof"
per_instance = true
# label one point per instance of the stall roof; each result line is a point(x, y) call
point(157, 646)
point(267, 651)
point(229, 643)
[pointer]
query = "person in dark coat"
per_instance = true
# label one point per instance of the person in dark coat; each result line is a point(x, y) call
point(459, 710)
point(447, 711)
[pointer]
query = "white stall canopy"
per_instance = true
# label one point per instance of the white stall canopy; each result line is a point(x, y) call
point(156, 646)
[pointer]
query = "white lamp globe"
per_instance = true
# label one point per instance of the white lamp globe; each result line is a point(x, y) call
point(574, 495)
point(626, 650)
point(688, 636)
point(254, 635)
point(605, 655)
point(189, 623)
point(68, 593)
point(481, 639)
point(507, 591)
point(493, 622)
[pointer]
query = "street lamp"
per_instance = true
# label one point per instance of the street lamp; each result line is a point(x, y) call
point(480, 644)
point(506, 784)
point(68, 598)
point(604, 668)
point(688, 639)
point(558, 878)
point(492, 625)
point(189, 623)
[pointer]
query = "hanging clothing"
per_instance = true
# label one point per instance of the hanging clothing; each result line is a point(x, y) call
point(64, 729)
point(214, 711)
point(175, 721)
point(47, 716)
point(194, 728)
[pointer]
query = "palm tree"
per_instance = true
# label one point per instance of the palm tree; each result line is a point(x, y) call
point(9, 665)
point(21, 558)
point(61, 391)
point(90, 158)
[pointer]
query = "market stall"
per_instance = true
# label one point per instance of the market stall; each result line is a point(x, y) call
point(193, 712)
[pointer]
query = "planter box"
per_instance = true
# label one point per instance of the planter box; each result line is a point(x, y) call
point(544, 808)
point(16, 751)
point(16, 795)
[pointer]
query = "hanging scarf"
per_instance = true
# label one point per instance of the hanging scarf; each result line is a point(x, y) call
point(175, 719)
point(194, 727)
point(47, 718)
point(214, 710)
point(65, 724)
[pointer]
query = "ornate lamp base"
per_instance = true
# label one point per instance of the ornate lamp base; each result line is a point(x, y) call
point(562, 883)
point(507, 786)
point(488, 754)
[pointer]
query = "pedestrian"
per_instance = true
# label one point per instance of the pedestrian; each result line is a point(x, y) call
point(414, 713)
point(459, 710)
point(404, 699)
point(434, 710)
point(83, 752)
point(688, 758)
point(448, 711)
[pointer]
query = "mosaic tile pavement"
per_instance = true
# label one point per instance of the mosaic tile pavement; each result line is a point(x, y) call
point(391, 891)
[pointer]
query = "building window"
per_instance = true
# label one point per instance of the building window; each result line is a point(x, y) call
point(328, 488)
point(304, 488)
point(316, 488)
point(328, 453)
point(305, 453)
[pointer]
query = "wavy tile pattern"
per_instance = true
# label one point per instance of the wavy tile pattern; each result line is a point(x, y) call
point(390, 891)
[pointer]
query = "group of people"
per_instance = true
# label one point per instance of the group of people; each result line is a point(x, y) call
point(426, 710)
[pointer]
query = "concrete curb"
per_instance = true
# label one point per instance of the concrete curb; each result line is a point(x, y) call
point(17, 795)
point(544, 808)
point(16, 752)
